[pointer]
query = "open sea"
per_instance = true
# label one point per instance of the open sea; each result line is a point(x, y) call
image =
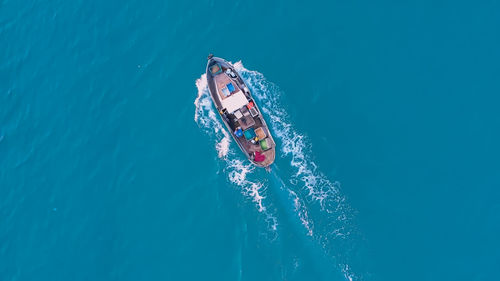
point(114, 164)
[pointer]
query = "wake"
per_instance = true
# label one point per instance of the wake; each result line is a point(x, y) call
point(317, 201)
point(236, 168)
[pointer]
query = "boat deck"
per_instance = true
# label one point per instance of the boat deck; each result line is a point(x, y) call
point(251, 148)
point(242, 117)
point(221, 81)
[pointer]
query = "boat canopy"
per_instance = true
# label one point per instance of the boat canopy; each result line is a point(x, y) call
point(234, 102)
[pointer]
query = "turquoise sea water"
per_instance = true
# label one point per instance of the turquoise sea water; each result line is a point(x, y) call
point(114, 166)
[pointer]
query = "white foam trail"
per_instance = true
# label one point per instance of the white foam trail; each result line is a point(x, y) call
point(223, 146)
point(347, 272)
point(206, 118)
point(317, 186)
point(201, 85)
point(293, 144)
point(237, 171)
point(302, 212)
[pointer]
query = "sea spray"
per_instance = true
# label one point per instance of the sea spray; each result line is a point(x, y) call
point(325, 213)
point(292, 207)
point(236, 169)
point(290, 201)
point(310, 196)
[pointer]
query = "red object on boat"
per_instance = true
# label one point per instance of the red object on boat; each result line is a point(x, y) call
point(250, 105)
point(259, 157)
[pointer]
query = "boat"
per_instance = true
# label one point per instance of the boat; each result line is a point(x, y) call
point(239, 112)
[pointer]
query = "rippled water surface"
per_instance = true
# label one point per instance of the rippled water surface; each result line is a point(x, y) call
point(114, 164)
